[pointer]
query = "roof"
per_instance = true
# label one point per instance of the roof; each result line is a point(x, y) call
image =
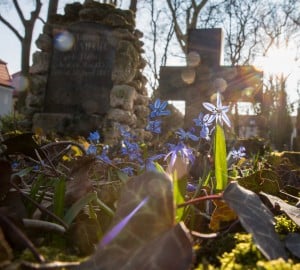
point(5, 78)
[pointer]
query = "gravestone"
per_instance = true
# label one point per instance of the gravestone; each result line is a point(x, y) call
point(204, 76)
point(86, 66)
point(88, 74)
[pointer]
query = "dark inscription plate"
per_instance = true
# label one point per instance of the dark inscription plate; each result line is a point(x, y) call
point(80, 78)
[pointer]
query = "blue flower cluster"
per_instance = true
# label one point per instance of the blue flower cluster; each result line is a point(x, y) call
point(158, 108)
point(94, 138)
point(132, 151)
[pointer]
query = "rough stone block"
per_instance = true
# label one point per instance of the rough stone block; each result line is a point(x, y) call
point(122, 116)
point(41, 61)
point(122, 96)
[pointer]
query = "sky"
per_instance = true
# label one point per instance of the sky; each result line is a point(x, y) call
point(10, 49)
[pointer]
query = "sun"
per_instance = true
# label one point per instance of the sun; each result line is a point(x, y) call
point(278, 61)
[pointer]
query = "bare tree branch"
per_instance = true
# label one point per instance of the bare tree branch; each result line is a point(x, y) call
point(9, 25)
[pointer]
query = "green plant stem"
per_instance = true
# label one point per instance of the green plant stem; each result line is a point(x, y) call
point(204, 198)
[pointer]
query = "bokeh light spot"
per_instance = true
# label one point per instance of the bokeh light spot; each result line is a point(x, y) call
point(20, 83)
point(220, 85)
point(193, 59)
point(64, 41)
point(188, 75)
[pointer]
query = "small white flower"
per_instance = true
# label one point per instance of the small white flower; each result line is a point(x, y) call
point(219, 111)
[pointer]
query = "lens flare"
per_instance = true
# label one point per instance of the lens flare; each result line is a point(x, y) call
point(64, 41)
point(20, 83)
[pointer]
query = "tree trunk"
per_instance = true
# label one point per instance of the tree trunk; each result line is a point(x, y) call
point(52, 9)
point(133, 5)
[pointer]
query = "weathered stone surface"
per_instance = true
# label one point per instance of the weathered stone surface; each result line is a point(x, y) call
point(126, 63)
point(138, 33)
point(141, 123)
point(141, 111)
point(72, 10)
point(122, 96)
point(34, 100)
point(143, 134)
point(64, 123)
point(92, 14)
point(38, 84)
point(80, 78)
point(122, 116)
point(41, 61)
point(141, 100)
point(89, 78)
point(127, 14)
point(138, 44)
point(122, 33)
point(96, 5)
point(115, 20)
point(142, 63)
point(44, 43)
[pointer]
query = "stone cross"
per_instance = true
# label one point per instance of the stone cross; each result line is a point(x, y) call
point(204, 76)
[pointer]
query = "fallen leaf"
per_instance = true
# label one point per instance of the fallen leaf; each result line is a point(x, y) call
point(256, 219)
point(221, 213)
point(292, 242)
point(150, 240)
point(293, 212)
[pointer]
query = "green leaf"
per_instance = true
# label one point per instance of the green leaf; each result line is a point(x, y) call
point(179, 190)
point(23, 172)
point(104, 207)
point(122, 176)
point(93, 216)
point(77, 206)
point(36, 193)
point(59, 197)
point(159, 168)
point(220, 159)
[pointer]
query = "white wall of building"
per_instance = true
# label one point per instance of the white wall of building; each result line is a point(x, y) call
point(6, 100)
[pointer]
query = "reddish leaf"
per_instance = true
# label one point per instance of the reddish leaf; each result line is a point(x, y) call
point(149, 240)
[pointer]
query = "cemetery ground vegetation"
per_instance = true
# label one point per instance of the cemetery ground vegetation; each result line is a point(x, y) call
point(73, 200)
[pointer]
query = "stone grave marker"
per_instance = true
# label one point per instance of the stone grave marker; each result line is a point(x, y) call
point(87, 74)
point(197, 82)
point(80, 76)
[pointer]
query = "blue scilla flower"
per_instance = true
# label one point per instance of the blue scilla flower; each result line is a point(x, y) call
point(204, 120)
point(180, 150)
point(92, 150)
point(185, 135)
point(94, 137)
point(154, 126)
point(218, 111)
point(191, 187)
point(125, 133)
point(15, 165)
point(104, 157)
point(158, 108)
point(149, 163)
point(128, 170)
point(132, 150)
point(238, 154)
point(204, 133)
